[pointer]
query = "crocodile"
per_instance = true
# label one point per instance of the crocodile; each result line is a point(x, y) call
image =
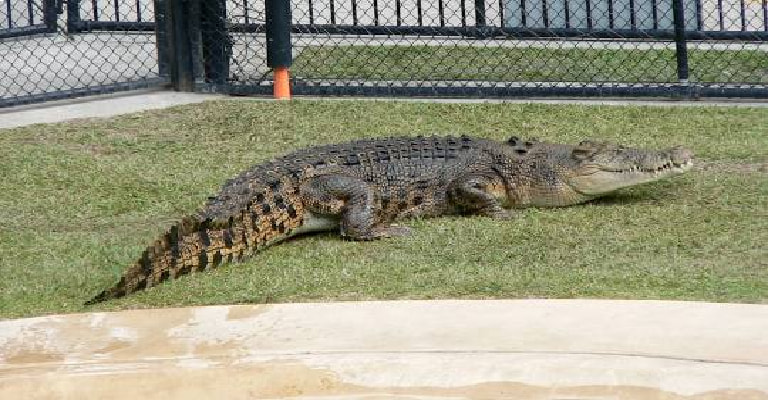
point(361, 188)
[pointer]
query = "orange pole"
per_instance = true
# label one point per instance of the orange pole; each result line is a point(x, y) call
point(282, 84)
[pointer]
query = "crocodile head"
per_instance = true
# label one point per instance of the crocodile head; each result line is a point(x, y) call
point(564, 175)
point(601, 168)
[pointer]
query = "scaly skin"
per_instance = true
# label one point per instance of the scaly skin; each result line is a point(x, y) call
point(360, 187)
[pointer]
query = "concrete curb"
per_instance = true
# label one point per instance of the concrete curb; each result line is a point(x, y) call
point(517, 349)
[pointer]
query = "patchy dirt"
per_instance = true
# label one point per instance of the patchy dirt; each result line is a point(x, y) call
point(293, 380)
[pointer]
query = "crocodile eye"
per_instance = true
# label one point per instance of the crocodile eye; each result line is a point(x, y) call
point(581, 153)
point(585, 149)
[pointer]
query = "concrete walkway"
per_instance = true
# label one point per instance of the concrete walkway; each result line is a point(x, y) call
point(515, 349)
point(97, 106)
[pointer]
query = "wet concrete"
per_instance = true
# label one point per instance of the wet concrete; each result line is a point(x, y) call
point(517, 349)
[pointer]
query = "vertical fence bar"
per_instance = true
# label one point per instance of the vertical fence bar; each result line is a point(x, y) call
point(567, 12)
point(161, 37)
point(610, 14)
point(216, 47)
point(354, 12)
point(185, 68)
point(376, 12)
point(544, 13)
point(655, 14)
point(311, 12)
point(632, 20)
point(117, 10)
point(699, 16)
point(138, 10)
point(419, 21)
point(441, 12)
point(397, 13)
point(743, 15)
point(720, 14)
point(501, 14)
point(246, 17)
point(590, 23)
point(73, 15)
point(681, 48)
point(463, 6)
point(480, 13)
point(8, 14)
point(95, 6)
point(523, 19)
point(178, 44)
point(192, 11)
point(50, 15)
point(333, 12)
point(30, 12)
point(765, 15)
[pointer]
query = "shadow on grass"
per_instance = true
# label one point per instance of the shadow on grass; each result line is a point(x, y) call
point(655, 193)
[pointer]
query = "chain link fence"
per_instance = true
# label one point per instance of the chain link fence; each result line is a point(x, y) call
point(531, 47)
point(51, 49)
point(688, 48)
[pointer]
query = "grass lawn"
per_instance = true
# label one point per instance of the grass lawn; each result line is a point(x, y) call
point(80, 200)
point(526, 64)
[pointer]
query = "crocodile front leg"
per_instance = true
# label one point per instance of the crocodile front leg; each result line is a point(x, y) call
point(480, 193)
point(352, 200)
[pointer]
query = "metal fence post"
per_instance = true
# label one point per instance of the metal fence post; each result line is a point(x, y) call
point(161, 38)
point(279, 56)
point(480, 13)
point(182, 43)
point(73, 15)
point(216, 44)
point(178, 46)
point(49, 14)
point(681, 47)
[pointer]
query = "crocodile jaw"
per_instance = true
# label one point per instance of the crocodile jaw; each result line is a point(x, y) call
point(601, 181)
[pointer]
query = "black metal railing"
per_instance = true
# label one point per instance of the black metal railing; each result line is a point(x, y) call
point(110, 15)
point(586, 14)
point(479, 18)
point(28, 17)
point(529, 19)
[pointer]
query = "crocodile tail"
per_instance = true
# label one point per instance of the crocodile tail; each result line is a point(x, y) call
point(190, 245)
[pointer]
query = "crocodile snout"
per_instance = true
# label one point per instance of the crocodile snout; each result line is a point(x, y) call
point(680, 155)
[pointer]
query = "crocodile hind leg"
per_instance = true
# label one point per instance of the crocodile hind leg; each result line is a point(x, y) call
point(352, 200)
point(480, 194)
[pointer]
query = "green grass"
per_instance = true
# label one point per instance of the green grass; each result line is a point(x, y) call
point(80, 200)
point(526, 64)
